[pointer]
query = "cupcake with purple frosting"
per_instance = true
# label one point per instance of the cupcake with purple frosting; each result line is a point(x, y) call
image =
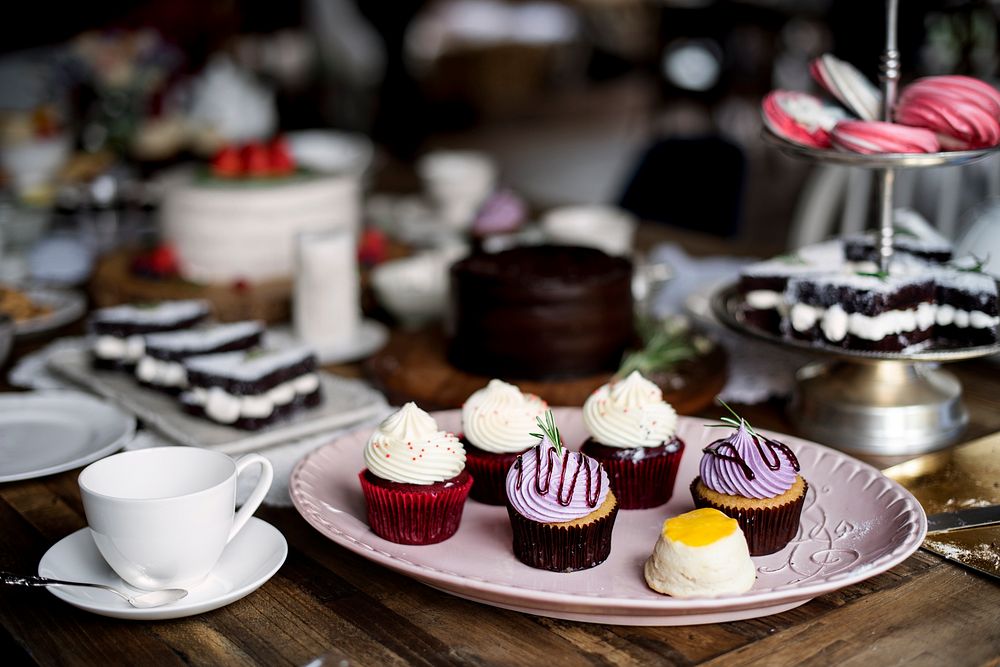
point(561, 507)
point(756, 481)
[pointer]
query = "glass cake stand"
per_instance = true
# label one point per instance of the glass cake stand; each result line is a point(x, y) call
point(876, 403)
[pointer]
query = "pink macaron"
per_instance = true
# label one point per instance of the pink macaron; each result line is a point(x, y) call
point(800, 118)
point(847, 85)
point(873, 136)
point(963, 112)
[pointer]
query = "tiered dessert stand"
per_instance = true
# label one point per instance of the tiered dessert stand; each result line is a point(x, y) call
point(877, 403)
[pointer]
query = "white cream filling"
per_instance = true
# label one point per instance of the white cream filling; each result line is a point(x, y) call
point(115, 348)
point(764, 299)
point(159, 372)
point(836, 323)
point(226, 408)
point(964, 319)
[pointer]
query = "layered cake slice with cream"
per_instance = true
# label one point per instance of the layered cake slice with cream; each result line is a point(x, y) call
point(863, 250)
point(251, 390)
point(118, 332)
point(162, 367)
point(966, 313)
point(861, 311)
point(762, 284)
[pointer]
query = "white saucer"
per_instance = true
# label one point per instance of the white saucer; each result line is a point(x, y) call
point(42, 433)
point(249, 561)
point(368, 339)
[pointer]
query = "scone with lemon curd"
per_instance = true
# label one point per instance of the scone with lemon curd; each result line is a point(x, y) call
point(562, 511)
point(700, 554)
point(415, 482)
point(497, 422)
point(633, 434)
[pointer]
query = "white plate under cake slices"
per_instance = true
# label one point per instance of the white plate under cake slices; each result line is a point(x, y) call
point(345, 402)
point(856, 523)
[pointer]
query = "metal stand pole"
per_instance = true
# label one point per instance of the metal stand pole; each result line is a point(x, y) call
point(889, 76)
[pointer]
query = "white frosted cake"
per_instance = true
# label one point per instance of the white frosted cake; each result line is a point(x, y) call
point(225, 231)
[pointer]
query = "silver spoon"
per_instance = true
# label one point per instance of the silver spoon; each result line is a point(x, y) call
point(140, 601)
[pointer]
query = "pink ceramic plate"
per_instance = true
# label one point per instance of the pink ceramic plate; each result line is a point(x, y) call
point(856, 523)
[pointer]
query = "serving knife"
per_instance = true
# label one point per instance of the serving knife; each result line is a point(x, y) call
point(974, 517)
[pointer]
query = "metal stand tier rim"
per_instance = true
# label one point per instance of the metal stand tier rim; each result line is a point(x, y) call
point(725, 305)
point(877, 160)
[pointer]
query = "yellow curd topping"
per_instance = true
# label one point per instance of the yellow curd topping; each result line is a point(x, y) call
point(699, 528)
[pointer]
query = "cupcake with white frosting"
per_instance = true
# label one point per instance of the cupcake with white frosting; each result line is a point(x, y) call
point(633, 434)
point(497, 422)
point(415, 482)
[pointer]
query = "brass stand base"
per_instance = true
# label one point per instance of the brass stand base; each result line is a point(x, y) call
point(886, 408)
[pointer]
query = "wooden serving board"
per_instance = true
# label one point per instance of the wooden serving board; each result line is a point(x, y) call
point(413, 367)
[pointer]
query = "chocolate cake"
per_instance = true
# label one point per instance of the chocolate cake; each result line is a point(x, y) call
point(161, 366)
point(118, 331)
point(861, 312)
point(251, 390)
point(967, 313)
point(540, 312)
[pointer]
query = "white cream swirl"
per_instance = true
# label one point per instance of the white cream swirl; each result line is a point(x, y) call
point(500, 419)
point(629, 413)
point(408, 448)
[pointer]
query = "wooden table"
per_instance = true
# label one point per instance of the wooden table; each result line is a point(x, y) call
point(326, 601)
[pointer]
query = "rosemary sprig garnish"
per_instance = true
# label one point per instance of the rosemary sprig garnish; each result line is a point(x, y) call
point(549, 430)
point(730, 422)
point(976, 268)
point(881, 275)
point(663, 346)
point(791, 258)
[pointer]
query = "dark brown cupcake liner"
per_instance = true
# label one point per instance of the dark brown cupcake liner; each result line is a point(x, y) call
point(415, 516)
point(490, 473)
point(644, 483)
point(562, 548)
point(767, 529)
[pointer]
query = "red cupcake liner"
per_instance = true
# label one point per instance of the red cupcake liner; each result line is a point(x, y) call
point(642, 483)
point(767, 529)
point(412, 514)
point(490, 473)
point(558, 548)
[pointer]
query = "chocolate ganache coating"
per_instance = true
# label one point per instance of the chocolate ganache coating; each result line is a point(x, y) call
point(540, 312)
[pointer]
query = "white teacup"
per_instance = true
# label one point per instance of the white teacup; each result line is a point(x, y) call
point(595, 226)
point(457, 182)
point(161, 517)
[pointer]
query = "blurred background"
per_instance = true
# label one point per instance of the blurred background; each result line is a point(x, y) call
point(650, 105)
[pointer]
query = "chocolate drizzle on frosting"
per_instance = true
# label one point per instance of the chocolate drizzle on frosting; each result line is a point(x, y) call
point(593, 489)
point(727, 451)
